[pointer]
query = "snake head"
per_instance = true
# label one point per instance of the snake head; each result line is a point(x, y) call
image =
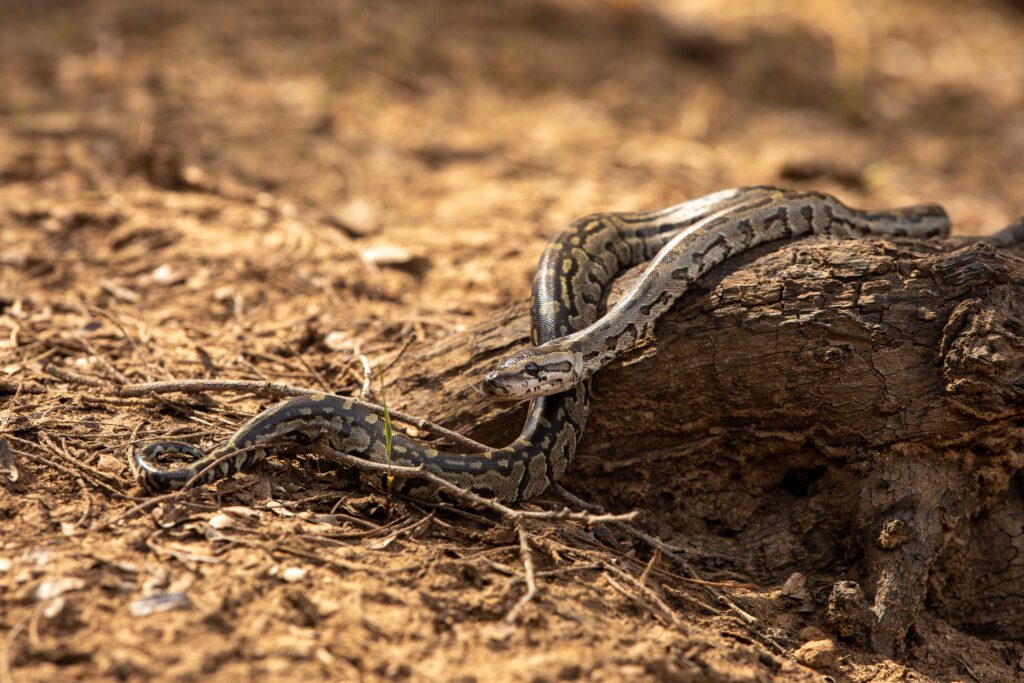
point(533, 372)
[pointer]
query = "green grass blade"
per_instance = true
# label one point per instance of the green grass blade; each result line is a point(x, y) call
point(387, 426)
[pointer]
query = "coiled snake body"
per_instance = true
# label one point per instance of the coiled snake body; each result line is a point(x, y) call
point(570, 341)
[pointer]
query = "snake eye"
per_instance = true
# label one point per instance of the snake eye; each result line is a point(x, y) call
point(532, 369)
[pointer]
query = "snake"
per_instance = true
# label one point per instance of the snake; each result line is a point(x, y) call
point(568, 359)
point(570, 337)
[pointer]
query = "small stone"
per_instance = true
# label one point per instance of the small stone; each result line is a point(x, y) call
point(339, 341)
point(195, 176)
point(387, 255)
point(293, 574)
point(166, 275)
point(795, 587)
point(110, 463)
point(795, 590)
point(811, 633)
point(817, 654)
point(221, 521)
point(161, 602)
point(357, 216)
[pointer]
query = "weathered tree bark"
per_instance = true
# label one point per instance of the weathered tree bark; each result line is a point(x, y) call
point(846, 409)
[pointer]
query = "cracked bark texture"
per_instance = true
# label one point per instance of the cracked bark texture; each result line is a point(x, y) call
point(846, 409)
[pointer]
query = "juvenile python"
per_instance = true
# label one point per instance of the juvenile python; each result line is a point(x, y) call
point(571, 341)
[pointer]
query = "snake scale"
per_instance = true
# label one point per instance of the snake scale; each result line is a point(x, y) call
point(570, 340)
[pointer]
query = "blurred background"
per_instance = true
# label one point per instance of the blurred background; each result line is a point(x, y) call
point(445, 142)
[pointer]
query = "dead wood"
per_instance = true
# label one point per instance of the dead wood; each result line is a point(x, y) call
point(845, 409)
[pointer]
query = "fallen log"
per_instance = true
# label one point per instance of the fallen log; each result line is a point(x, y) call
point(848, 410)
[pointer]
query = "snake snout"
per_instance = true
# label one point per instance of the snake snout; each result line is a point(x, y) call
point(494, 384)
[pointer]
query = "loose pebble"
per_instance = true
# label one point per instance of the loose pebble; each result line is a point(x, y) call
point(817, 654)
point(294, 574)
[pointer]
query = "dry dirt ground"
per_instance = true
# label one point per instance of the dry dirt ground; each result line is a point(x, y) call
point(269, 190)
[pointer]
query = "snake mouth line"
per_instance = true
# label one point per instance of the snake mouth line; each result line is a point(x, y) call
point(492, 387)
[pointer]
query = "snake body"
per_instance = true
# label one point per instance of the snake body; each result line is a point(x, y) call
point(571, 341)
point(567, 359)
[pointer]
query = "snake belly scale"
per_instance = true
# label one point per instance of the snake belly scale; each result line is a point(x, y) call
point(570, 340)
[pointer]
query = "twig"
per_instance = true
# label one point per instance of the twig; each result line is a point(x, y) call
point(394, 529)
point(74, 377)
point(748, 620)
point(131, 340)
point(131, 444)
point(49, 444)
point(406, 529)
point(408, 341)
point(87, 512)
point(18, 388)
point(270, 547)
point(40, 460)
point(968, 669)
point(531, 583)
point(316, 375)
point(35, 641)
point(367, 376)
point(590, 567)
point(195, 386)
point(690, 597)
point(655, 556)
point(451, 509)
point(466, 495)
point(653, 541)
point(113, 373)
point(255, 370)
point(574, 499)
point(659, 606)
